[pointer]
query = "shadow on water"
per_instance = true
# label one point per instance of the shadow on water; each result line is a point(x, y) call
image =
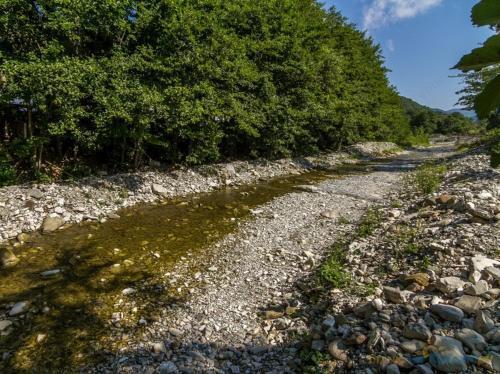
point(75, 318)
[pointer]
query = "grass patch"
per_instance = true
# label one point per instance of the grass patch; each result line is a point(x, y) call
point(343, 221)
point(332, 271)
point(428, 177)
point(370, 222)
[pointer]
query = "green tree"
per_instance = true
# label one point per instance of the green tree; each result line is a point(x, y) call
point(485, 61)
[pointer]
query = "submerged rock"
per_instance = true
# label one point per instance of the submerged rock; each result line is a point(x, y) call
point(19, 308)
point(7, 258)
point(4, 325)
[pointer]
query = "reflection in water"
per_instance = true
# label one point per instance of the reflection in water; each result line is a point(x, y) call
point(75, 314)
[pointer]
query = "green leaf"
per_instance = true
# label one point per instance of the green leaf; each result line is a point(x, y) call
point(488, 100)
point(486, 12)
point(488, 54)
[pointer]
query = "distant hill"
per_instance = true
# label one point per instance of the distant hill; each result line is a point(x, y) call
point(466, 113)
point(410, 105)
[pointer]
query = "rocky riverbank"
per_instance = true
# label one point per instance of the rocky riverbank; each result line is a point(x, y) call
point(49, 207)
point(432, 272)
point(24, 209)
point(259, 306)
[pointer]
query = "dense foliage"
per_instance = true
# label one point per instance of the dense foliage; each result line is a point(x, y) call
point(482, 71)
point(128, 81)
point(427, 121)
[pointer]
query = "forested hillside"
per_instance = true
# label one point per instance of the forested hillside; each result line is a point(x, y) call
point(425, 121)
point(128, 81)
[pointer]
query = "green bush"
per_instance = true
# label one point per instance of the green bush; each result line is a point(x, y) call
point(428, 177)
point(7, 175)
point(191, 81)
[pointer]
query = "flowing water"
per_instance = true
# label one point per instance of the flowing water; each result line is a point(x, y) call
point(69, 319)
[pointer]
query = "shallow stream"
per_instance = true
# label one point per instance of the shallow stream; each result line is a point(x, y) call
point(72, 315)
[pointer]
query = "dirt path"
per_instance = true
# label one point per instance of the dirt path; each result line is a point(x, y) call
point(221, 326)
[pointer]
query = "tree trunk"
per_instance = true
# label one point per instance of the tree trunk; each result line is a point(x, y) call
point(39, 158)
point(30, 121)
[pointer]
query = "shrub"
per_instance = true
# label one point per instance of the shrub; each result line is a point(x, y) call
point(428, 177)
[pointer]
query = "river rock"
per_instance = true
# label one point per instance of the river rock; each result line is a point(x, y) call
point(159, 347)
point(469, 304)
point(23, 237)
point(338, 350)
point(483, 323)
point(423, 369)
point(477, 289)
point(19, 308)
point(392, 369)
point(364, 310)
point(331, 214)
point(417, 331)
point(449, 285)
point(35, 193)
point(421, 279)
point(395, 295)
point(159, 190)
point(4, 325)
point(471, 339)
point(129, 291)
point(493, 272)
point(478, 264)
point(447, 354)
point(7, 258)
point(308, 188)
point(168, 367)
point(493, 336)
point(448, 312)
point(403, 362)
point(412, 346)
point(50, 273)
point(51, 224)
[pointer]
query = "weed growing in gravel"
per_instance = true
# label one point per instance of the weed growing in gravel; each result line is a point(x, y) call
point(333, 270)
point(343, 221)
point(362, 290)
point(369, 223)
point(428, 177)
point(426, 263)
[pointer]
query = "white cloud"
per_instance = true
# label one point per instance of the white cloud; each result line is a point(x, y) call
point(390, 45)
point(382, 12)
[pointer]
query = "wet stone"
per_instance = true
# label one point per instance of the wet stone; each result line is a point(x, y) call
point(19, 308)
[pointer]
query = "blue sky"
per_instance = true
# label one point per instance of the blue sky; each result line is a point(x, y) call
point(421, 41)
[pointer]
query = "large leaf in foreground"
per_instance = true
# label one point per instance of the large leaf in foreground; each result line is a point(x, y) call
point(489, 100)
point(488, 54)
point(487, 12)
